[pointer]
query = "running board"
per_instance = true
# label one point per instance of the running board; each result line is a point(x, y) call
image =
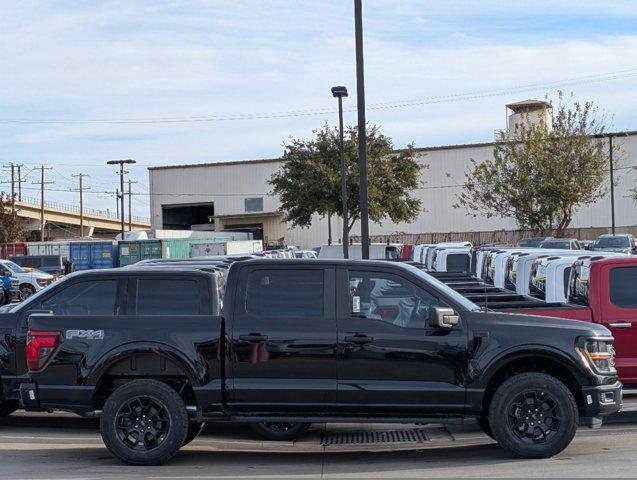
point(344, 419)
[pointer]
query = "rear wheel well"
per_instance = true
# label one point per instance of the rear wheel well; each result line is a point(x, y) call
point(143, 366)
point(532, 364)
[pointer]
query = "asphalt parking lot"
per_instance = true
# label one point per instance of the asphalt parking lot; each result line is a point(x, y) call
point(61, 446)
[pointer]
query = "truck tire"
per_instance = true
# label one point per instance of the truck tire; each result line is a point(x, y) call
point(144, 422)
point(26, 291)
point(533, 415)
point(194, 429)
point(280, 431)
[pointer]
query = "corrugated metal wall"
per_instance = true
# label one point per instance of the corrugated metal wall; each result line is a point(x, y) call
point(229, 185)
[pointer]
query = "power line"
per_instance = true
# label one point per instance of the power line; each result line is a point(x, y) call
point(473, 95)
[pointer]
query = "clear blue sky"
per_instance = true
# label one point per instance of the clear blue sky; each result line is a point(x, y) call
point(122, 60)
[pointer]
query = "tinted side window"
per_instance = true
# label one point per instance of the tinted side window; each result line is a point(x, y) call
point(285, 293)
point(95, 297)
point(623, 284)
point(157, 296)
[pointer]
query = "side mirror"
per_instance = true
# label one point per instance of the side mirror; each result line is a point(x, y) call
point(440, 317)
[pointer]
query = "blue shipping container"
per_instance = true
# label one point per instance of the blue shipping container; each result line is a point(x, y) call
point(93, 255)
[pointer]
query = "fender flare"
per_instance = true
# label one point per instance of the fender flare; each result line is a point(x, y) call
point(112, 357)
point(535, 350)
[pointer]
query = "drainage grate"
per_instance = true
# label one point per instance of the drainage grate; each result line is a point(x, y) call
point(416, 435)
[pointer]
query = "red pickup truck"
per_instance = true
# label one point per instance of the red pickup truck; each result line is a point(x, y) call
point(603, 291)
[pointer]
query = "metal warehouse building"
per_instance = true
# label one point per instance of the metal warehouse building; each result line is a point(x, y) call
point(236, 196)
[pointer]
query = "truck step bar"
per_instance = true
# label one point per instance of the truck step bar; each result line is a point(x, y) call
point(448, 420)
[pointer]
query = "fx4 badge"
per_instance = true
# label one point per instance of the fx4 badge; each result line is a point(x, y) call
point(86, 334)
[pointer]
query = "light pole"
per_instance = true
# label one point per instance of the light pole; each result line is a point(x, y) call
point(362, 140)
point(340, 92)
point(121, 164)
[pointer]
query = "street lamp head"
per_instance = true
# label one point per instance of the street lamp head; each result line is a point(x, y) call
point(119, 162)
point(339, 91)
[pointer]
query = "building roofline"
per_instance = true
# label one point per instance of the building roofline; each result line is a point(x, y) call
point(417, 149)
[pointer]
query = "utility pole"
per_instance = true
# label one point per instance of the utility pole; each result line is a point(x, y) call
point(130, 209)
point(19, 183)
point(121, 164)
point(81, 190)
point(362, 140)
point(13, 167)
point(612, 183)
point(117, 203)
point(42, 183)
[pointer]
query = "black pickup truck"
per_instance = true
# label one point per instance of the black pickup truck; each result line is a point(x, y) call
point(302, 341)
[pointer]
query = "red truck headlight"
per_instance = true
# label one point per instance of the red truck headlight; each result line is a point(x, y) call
point(40, 348)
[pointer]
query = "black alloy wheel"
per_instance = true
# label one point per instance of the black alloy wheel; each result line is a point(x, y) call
point(142, 423)
point(534, 416)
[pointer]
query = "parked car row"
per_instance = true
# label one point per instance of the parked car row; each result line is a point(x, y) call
point(264, 342)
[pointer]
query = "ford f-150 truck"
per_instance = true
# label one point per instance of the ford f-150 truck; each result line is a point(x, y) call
point(302, 341)
point(601, 289)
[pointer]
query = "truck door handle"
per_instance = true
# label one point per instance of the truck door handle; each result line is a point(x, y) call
point(360, 339)
point(253, 337)
point(621, 325)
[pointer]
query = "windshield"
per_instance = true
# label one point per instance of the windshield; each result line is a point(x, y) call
point(557, 244)
point(14, 267)
point(613, 242)
point(450, 292)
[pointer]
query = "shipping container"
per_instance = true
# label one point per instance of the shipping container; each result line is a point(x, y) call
point(180, 247)
point(49, 248)
point(226, 248)
point(198, 234)
point(12, 249)
point(93, 255)
point(132, 251)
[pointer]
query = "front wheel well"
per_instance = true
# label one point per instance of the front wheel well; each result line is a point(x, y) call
point(532, 364)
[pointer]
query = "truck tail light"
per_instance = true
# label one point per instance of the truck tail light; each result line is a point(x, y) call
point(40, 348)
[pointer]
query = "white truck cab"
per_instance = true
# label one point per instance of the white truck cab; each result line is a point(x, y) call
point(550, 276)
point(453, 259)
point(523, 265)
point(31, 281)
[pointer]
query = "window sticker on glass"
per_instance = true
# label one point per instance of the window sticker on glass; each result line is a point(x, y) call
point(356, 304)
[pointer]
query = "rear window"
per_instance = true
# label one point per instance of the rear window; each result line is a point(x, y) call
point(458, 262)
point(156, 296)
point(623, 284)
point(285, 293)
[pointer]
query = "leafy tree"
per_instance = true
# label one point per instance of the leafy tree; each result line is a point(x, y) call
point(309, 181)
point(11, 228)
point(542, 175)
